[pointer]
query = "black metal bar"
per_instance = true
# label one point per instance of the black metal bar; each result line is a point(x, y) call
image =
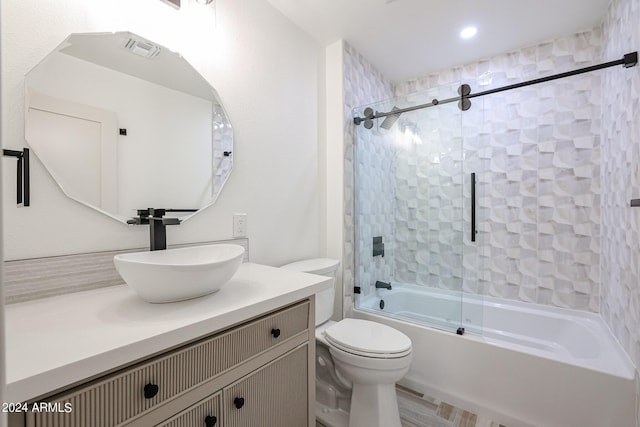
point(622, 61)
point(635, 203)
point(12, 153)
point(377, 115)
point(157, 230)
point(473, 207)
point(628, 60)
point(22, 175)
point(19, 181)
point(26, 178)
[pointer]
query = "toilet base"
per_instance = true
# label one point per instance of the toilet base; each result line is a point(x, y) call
point(331, 417)
point(374, 406)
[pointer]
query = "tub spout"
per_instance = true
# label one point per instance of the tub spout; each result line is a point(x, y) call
point(383, 285)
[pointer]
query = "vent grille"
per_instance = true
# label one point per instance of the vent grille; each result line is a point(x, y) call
point(141, 48)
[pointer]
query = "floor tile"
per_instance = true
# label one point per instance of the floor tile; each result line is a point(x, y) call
point(419, 410)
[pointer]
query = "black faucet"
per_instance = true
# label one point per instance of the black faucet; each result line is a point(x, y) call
point(383, 285)
point(157, 225)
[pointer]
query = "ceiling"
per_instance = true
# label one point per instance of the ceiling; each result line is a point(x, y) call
point(406, 39)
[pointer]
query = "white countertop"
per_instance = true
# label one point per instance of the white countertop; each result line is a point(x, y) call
point(58, 341)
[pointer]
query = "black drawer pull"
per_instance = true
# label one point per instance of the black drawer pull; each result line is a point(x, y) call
point(238, 402)
point(275, 332)
point(150, 390)
point(210, 421)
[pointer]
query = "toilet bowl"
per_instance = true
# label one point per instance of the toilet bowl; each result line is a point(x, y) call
point(372, 357)
point(366, 359)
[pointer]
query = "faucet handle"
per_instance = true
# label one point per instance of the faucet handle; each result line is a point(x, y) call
point(181, 210)
point(169, 221)
point(156, 213)
point(141, 219)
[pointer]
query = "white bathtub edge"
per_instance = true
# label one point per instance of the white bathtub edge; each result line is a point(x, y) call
point(513, 384)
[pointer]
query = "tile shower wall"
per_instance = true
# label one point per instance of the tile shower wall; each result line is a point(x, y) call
point(363, 85)
point(429, 188)
point(621, 180)
point(537, 155)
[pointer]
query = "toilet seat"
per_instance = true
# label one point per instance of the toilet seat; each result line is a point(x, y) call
point(368, 339)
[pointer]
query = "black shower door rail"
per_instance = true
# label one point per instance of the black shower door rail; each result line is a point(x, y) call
point(464, 91)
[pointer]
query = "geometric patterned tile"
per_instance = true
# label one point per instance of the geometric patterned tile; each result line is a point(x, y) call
point(536, 154)
point(621, 180)
point(557, 164)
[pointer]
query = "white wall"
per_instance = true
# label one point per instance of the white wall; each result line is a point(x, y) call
point(334, 163)
point(3, 417)
point(267, 73)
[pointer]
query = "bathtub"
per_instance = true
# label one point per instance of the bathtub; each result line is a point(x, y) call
point(525, 364)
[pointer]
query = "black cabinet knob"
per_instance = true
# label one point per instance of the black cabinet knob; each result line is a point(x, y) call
point(150, 390)
point(210, 421)
point(275, 332)
point(238, 402)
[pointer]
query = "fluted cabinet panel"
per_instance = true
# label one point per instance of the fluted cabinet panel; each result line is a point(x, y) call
point(196, 415)
point(275, 395)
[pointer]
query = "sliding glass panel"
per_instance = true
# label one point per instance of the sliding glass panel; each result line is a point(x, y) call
point(410, 223)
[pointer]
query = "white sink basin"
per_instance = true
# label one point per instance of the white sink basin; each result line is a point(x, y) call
point(179, 274)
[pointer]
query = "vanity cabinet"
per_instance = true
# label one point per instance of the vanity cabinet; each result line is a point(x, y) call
point(275, 395)
point(254, 374)
point(205, 413)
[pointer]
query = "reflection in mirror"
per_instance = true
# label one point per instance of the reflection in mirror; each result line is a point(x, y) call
point(122, 123)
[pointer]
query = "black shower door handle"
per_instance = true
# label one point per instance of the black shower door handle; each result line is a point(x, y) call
point(473, 207)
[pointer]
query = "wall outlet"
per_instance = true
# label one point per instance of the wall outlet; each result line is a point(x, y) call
point(240, 225)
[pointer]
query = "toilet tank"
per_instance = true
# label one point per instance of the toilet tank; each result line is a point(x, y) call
point(322, 267)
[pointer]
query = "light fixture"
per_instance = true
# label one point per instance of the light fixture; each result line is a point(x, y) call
point(485, 79)
point(468, 32)
point(204, 1)
point(173, 3)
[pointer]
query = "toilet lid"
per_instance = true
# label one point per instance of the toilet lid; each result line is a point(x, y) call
point(368, 338)
point(316, 265)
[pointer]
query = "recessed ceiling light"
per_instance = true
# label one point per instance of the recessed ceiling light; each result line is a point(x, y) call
point(468, 32)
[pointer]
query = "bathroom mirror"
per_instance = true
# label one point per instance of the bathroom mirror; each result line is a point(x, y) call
point(122, 123)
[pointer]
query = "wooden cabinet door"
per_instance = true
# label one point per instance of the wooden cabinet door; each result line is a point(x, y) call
point(205, 413)
point(274, 395)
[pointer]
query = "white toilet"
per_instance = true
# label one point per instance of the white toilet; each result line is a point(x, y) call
point(364, 359)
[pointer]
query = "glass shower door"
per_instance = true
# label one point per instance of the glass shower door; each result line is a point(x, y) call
point(409, 210)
